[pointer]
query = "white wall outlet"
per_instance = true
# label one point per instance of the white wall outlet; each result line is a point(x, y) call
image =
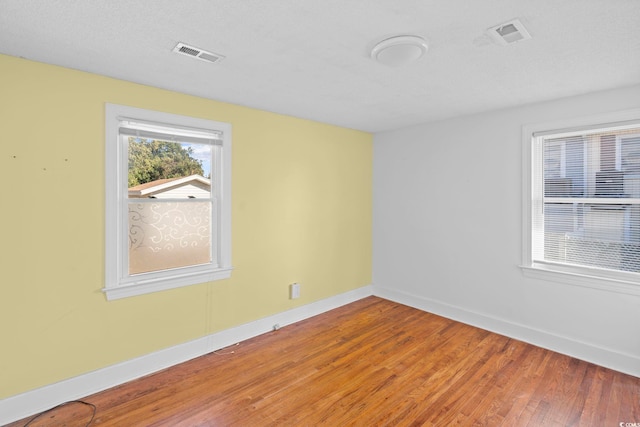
point(294, 290)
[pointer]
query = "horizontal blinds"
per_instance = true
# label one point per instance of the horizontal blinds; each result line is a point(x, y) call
point(590, 199)
point(151, 131)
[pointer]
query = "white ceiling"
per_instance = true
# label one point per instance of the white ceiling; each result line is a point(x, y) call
point(310, 58)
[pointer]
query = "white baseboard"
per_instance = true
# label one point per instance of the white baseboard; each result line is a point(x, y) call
point(626, 363)
point(35, 401)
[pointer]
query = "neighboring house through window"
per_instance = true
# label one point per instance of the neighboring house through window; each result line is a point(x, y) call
point(167, 201)
point(582, 201)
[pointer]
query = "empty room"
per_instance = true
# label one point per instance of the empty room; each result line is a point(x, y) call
point(320, 213)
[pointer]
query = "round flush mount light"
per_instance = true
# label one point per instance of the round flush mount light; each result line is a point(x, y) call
point(399, 50)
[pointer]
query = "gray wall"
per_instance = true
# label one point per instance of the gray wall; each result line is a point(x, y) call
point(447, 234)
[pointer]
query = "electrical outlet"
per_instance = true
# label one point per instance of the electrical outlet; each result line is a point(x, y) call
point(294, 290)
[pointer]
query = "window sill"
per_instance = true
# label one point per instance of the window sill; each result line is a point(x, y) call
point(545, 272)
point(149, 286)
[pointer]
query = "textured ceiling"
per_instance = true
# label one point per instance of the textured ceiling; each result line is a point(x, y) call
point(310, 58)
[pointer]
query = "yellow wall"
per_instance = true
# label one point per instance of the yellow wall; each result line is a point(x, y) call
point(301, 213)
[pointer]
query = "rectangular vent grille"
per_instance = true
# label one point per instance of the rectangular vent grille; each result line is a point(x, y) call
point(509, 32)
point(195, 52)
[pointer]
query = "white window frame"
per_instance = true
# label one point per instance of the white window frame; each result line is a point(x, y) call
point(118, 282)
point(620, 282)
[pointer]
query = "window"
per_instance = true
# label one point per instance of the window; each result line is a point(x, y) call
point(167, 201)
point(582, 201)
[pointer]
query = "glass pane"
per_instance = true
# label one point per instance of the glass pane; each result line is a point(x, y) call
point(603, 232)
point(165, 235)
point(166, 169)
point(604, 236)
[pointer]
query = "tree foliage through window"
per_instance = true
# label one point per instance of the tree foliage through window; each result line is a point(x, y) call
point(150, 160)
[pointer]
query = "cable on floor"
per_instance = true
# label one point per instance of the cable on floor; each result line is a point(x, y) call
point(93, 407)
point(226, 352)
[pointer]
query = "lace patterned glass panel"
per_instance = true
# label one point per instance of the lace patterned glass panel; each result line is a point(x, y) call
point(167, 235)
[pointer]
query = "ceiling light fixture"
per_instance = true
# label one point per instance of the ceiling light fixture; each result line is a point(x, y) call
point(399, 50)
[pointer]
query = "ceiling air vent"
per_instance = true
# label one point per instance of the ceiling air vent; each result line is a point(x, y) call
point(509, 32)
point(194, 52)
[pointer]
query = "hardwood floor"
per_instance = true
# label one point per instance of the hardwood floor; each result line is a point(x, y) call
point(370, 363)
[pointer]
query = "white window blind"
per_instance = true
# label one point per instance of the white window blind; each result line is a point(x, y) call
point(586, 199)
point(181, 134)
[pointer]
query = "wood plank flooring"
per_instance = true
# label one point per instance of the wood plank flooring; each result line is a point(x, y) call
point(370, 363)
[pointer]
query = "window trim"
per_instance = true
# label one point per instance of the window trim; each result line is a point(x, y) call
point(116, 284)
point(570, 275)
